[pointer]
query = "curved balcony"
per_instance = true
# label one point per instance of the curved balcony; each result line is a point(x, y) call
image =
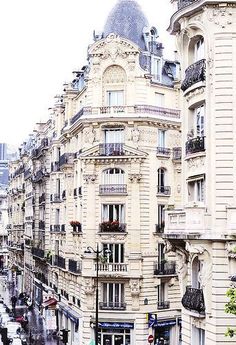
point(194, 74)
point(195, 145)
point(193, 300)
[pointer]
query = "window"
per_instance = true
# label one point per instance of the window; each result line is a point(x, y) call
point(160, 99)
point(58, 187)
point(199, 50)
point(161, 177)
point(115, 135)
point(161, 138)
point(113, 212)
point(161, 217)
point(199, 118)
point(115, 98)
point(198, 336)
point(196, 189)
point(156, 68)
point(117, 252)
point(196, 269)
point(161, 292)
point(161, 255)
point(113, 176)
point(113, 295)
point(57, 216)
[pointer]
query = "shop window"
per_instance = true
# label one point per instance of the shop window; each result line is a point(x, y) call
point(113, 336)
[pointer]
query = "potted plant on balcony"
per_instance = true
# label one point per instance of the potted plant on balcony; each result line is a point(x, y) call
point(115, 225)
point(75, 225)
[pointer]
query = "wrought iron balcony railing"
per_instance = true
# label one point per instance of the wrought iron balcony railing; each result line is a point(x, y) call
point(193, 300)
point(111, 267)
point(113, 189)
point(75, 266)
point(55, 227)
point(177, 153)
point(163, 305)
point(55, 197)
point(66, 159)
point(59, 261)
point(112, 226)
point(38, 252)
point(185, 3)
point(165, 268)
point(164, 190)
point(112, 305)
point(163, 151)
point(111, 149)
point(194, 74)
point(160, 227)
point(195, 145)
point(42, 225)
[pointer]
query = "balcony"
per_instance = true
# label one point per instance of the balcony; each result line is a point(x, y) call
point(55, 197)
point(163, 190)
point(39, 253)
point(55, 166)
point(76, 226)
point(185, 3)
point(167, 268)
point(112, 189)
point(55, 228)
point(163, 151)
point(193, 300)
point(163, 305)
point(59, 261)
point(42, 225)
point(111, 267)
point(195, 145)
point(75, 266)
point(194, 73)
point(42, 198)
point(146, 110)
point(177, 153)
point(66, 160)
point(112, 305)
point(39, 175)
point(160, 227)
point(112, 226)
point(112, 149)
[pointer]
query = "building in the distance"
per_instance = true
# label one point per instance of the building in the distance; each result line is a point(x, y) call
point(202, 232)
point(3, 166)
point(99, 174)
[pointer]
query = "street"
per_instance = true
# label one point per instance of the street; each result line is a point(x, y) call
point(36, 333)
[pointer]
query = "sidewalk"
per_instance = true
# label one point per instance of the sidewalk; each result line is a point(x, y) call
point(37, 333)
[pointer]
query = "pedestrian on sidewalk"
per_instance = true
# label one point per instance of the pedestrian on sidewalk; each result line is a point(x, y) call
point(13, 302)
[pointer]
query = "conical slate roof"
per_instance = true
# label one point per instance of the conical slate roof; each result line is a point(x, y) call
point(127, 20)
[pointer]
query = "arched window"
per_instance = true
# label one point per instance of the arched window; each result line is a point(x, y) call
point(196, 268)
point(113, 181)
point(114, 79)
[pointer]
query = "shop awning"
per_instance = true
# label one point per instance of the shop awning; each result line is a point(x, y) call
point(49, 302)
point(69, 312)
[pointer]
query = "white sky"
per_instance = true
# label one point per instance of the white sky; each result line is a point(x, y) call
point(42, 42)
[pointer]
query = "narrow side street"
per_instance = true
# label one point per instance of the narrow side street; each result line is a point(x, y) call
point(36, 333)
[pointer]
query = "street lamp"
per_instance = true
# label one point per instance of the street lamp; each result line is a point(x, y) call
point(90, 250)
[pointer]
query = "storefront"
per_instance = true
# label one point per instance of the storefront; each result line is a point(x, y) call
point(115, 333)
point(165, 331)
point(69, 319)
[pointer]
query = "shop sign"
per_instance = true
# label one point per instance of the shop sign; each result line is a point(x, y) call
point(126, 325)
point(167, 323)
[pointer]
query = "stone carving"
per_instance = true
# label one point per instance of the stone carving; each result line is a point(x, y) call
point(231, 249)
point(135, 134)
point(114, 74)
point(181, 269)
point(135, 177)
point(90, 178)
point(205, 274)
point(196, 162)
point(194, 249)
point(221, 16)
point(135, 287)
point(88, 287)
point(196, 92)
point(89, 135)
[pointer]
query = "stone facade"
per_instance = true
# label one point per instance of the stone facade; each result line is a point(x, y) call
point(201, 232)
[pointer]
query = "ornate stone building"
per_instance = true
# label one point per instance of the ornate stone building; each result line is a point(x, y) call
point(202, 233)
point(100, 173)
